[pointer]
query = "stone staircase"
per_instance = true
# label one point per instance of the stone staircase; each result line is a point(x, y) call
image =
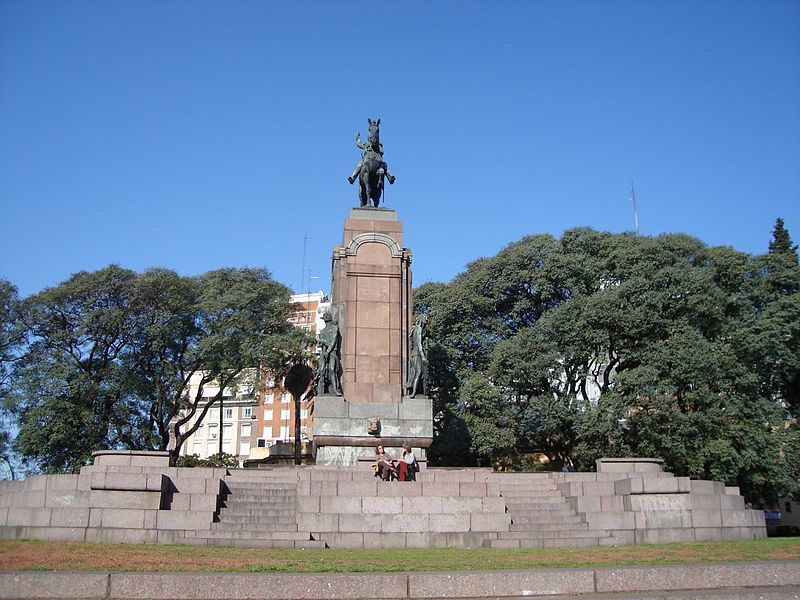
point(541, 517)
point(259, 510)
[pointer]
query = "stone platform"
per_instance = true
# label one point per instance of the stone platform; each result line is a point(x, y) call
point(135, 498)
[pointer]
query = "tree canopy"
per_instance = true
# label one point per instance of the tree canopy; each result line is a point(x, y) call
point(11, 337)
point(600, 344)
point(109, 355)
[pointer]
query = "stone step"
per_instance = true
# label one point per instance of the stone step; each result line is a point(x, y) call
point(541, 501)
point(271, 492)
point(530, 492)
point(543, 515)
point(267, 543)
point(255, 504)
point(287, 488)
point(240, 503)
point(509, 478)
point(261, 484)
point(547, 543)
point(258, 513)
point(263, 480)
point(227, 517)
point(526, 524)
point(270, 535)
point(254, 529)
point(555, 533)
point(262, 493)
point(570, 525)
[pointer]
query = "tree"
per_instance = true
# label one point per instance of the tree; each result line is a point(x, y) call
point(112, 352)
point(782, 262)
point(70, 388)
point(781, 241)
point(242, 322)
point(600, 344)
point(11, 340)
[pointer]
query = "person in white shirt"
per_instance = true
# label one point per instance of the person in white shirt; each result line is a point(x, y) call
point(408, 464)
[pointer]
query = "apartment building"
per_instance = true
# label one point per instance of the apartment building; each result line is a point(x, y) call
point(275, 420)
point(228, 427)
point(249, 422)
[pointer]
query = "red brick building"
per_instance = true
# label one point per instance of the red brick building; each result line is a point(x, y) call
point(275, 416)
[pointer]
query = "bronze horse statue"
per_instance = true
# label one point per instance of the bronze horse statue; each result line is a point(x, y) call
point(371, 169)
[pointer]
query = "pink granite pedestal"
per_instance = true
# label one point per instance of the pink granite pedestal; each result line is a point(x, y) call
point(371, 300)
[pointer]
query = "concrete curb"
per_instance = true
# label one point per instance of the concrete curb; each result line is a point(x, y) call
point(485, 584)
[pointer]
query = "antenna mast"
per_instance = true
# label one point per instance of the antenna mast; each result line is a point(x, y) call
point(303, 269)
point(635, 210)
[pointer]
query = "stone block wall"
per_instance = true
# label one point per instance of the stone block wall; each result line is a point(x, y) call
point(116, 500)
point(349, 508)
point(645, 505)
point(128, 497)
point(341, 428)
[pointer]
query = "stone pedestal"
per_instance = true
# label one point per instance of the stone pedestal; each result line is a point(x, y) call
point(371, 299)
point(371, 290)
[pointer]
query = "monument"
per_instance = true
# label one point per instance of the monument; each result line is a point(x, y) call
point(371, 386)
point(372, 308)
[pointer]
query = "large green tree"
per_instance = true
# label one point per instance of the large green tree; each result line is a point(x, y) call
point(615, 344)
point(225, 328)
point(70, 387)
point(110, 355)
point(11, 340)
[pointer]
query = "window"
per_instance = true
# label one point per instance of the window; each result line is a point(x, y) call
point(197, 448)
point(213, 414)
point(245, 430)
point(286, 398)
point(244, 448)
point(227, 431)
point(226, 447)
point(247, 412)
point(788, 506)
point(212, 431)
point(285, 414)
point(284, 432)
point(303, 413)
point(261, 443)
point(228, 413)
point(268, 415)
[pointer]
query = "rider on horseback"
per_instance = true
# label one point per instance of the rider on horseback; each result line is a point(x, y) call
point(372, 151)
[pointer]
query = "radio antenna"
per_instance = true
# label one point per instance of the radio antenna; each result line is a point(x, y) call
point(303, 268)
point(635, 210)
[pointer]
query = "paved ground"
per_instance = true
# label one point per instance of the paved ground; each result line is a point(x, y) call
point(770, 593)
point(735, 581)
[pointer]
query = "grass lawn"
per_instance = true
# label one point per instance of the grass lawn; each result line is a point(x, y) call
point(29, 555)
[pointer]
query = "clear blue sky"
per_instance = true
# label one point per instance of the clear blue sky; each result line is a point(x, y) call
point(194, 134)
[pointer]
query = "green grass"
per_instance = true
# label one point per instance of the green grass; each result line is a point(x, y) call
point(28, 555)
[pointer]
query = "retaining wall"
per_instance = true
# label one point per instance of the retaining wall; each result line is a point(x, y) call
point(134, 497)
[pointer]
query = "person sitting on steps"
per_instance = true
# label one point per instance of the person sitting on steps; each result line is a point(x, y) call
point(408, 465)
point(384, 466)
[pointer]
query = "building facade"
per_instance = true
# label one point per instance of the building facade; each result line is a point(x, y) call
point(275, 419)
point(228, 427)
point(250, 422)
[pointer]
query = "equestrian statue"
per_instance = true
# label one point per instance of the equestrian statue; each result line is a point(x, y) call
point(371, 169)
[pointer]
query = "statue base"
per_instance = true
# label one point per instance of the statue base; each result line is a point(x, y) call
point(345, 431)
